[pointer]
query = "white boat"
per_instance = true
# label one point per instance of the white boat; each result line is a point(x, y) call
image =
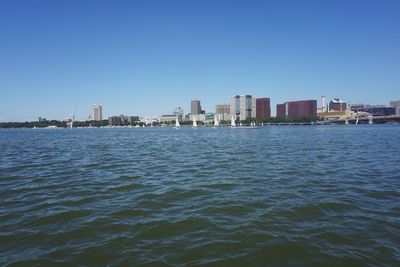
point(177, 124)
point(233, 123)
point(262, 124)
point(216, 122)
point(194, 123)
point(240, 124)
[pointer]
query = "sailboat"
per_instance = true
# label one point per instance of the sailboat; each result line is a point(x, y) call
point(194, 123)
point(216, 122)
point(233, 124)
point(177, 124)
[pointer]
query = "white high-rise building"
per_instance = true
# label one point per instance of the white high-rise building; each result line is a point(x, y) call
point(97, 111)
point(243, 107)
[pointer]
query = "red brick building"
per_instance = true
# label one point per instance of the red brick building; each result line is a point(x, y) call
point(263, 108)
point(297, 109)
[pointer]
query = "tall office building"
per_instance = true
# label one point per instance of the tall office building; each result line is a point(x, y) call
point(97, 111)
point(263, 108)
point(297, 109)
point(243, 107)
point(223, 111)
point(195, 107)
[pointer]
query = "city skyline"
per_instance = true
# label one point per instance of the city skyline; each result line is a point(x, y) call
point(145, 58)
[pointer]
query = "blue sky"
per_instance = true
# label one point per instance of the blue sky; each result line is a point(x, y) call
point(146, 57)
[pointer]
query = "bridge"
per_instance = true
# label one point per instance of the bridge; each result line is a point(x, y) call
point(371, 120)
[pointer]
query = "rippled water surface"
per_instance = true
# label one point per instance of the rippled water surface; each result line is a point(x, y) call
point(275, 196)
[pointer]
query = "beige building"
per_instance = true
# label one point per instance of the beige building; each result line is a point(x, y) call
point(223, 112)
point(336, 115)
point(97, 111)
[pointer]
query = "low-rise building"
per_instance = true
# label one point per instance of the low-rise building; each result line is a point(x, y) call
point(167, 118)
point(297, 109)
point(122, 119)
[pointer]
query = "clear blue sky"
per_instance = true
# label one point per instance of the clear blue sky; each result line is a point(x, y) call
point(146, 57)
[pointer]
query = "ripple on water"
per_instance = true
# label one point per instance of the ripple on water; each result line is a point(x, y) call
point(276, 196)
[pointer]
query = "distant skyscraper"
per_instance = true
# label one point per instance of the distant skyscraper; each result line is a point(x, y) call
point(195, 107)
point(263, 108)
point(243, 106)
point(297, 109)
point(97, 111)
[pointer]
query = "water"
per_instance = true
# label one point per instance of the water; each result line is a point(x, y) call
point(276, 196)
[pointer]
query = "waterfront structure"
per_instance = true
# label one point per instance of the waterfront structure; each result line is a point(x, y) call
point(167, 118)
point(377, 110)
point(97, 111)
point(380, 110)
point(337, 105)
point(122, 119)
point(263, 108)
point(195, 107)
point(297, 109)
point(115, 120)
point(222, 112)
point(396, 105)
point(243, 107)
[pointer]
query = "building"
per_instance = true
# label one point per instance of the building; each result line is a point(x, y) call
point(297, 109)
point(380, 110)
point(222, 112)
point(243, 107)
point(336, 115)
point(281, 111)
point(374, 110)
point(337, 105)
point(178, 112)
point(130, 119)
point(122, 119)
point(197, 117)
point(97, 111)
point(195, 107)
point(396, 105)
point(263, 108)
point(167, 118)
point(115, 120)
